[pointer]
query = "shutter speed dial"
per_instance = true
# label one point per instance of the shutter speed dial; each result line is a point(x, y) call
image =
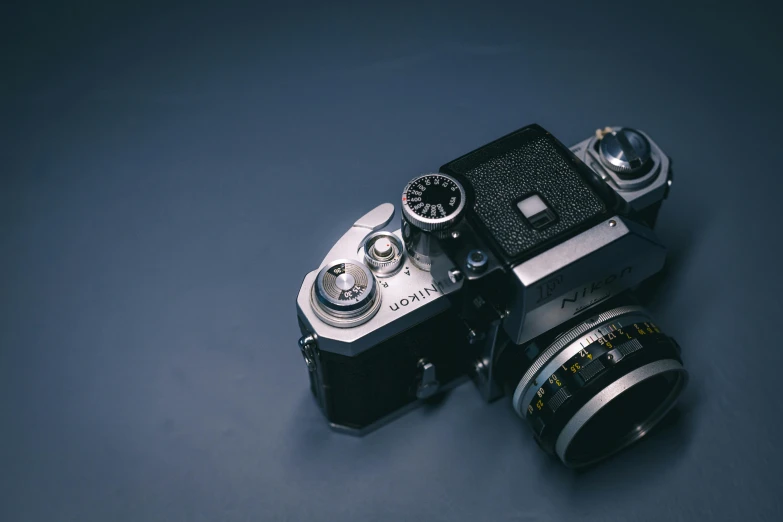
point(433, 201)
point(345, 294)
point(430, 204)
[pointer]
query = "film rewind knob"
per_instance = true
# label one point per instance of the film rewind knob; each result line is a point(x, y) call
point(624, 151)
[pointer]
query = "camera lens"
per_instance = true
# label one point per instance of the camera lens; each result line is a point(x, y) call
point(601, 386)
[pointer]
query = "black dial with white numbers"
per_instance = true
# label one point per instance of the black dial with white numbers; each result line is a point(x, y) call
point(433, 201)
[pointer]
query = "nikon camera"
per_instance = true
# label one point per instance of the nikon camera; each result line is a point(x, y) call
point(513, 266)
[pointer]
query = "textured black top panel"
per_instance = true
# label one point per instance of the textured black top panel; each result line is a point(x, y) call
point(535, 166)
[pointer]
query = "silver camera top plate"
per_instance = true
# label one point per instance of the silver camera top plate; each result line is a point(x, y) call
point(408, 297)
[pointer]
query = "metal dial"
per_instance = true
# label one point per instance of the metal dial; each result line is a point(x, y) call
point(345, 294)
point(433, 201)
point(383, 252)
point(625, 151)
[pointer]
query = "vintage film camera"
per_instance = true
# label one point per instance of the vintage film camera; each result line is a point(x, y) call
point(513, 266)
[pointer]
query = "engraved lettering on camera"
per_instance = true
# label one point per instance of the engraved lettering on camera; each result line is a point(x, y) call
point(468, 287)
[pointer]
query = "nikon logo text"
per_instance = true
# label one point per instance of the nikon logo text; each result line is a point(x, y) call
point(602, 287)
point(420, 295)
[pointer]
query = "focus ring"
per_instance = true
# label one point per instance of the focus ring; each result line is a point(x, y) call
point(579, 370)
point(566, 339)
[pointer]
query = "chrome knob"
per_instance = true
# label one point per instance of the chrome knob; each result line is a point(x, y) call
point(344, 294)
point(625, 151)
point(383, 252)
point(427, 383)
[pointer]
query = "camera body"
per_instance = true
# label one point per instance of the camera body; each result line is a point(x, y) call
point(511, 267)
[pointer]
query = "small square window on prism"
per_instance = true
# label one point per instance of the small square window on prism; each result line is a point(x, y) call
point(536, 211)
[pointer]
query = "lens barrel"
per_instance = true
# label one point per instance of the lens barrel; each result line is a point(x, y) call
point(601, 386)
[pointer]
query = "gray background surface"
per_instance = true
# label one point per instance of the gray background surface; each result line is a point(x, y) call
point(170, 175)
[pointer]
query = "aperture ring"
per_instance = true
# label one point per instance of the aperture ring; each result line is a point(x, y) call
point(600, 331)
point(586, 365)
point(571, 335)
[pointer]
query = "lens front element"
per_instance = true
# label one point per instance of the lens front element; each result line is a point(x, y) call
point(601, 386)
